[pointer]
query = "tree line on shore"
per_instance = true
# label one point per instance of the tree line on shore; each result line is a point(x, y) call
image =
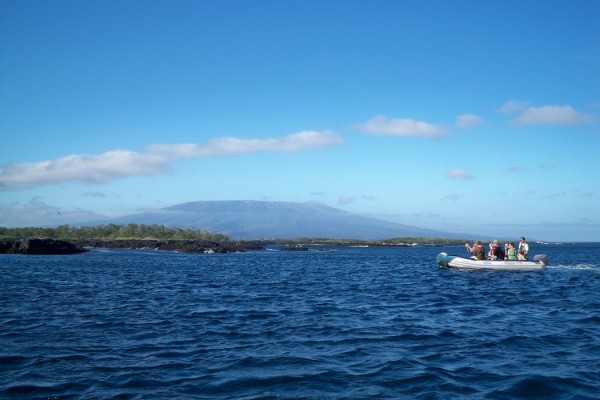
point(112, 232)
point(398, 241)
point(162, 232)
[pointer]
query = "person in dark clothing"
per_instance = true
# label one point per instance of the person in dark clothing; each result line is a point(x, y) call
point(498, 253)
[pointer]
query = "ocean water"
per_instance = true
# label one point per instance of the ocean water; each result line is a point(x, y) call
point(351, 323)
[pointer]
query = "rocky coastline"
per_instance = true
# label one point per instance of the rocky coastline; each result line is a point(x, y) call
point(55, 246)
point(39, 247)
point(61, 247)
point(184, 246)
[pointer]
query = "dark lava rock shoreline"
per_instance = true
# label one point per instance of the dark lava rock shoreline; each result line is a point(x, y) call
point(39, 246)
point(52, 246)
point(184, 246)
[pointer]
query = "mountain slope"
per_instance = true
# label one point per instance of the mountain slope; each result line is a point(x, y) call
point(269, 219)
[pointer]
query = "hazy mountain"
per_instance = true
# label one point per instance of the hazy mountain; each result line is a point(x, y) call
point(275, 219)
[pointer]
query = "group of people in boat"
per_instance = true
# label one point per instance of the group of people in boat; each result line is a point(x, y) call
point(497, 253)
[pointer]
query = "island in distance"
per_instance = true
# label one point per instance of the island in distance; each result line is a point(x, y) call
point(247, 220)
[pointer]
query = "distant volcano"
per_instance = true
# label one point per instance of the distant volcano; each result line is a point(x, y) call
point(275, 219)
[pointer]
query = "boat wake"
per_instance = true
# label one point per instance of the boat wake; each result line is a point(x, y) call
point(577, 266)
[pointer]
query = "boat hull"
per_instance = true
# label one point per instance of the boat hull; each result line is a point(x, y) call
point(446, 261)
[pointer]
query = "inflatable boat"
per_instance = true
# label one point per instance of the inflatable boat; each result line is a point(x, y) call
point(540, 261)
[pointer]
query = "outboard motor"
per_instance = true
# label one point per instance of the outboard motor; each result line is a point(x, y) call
point(443, 259)
point(541, 258)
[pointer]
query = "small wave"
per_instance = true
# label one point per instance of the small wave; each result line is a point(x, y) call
point(589, 321)
point(12, 361)
point(538, 386)
point(58, 391)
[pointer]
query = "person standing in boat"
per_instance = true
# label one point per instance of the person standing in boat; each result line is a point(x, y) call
point(523, 249)
point(478, 250)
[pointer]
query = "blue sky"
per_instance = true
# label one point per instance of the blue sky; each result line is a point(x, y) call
point(464, 116)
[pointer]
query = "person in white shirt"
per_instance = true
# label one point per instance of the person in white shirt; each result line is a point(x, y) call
point(523, 249)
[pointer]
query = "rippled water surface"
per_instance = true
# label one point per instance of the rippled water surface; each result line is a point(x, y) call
point(351, 323)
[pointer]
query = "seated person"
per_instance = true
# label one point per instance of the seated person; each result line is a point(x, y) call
point(477, 250)
point(511, 253)
point(490, 255)
point(496, 252)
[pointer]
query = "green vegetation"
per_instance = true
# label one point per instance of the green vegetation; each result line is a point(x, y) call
point(161, 232)
point(420, 240)
point(111, 232)
point(358, 242)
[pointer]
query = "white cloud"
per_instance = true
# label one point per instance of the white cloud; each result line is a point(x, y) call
point(553, 115)
point(153, 160)
point(459, 174)
point(545, 115)
point(468, 121)
point(382, 125)
point(101, 168)
point(228, 146)
point(514, 107)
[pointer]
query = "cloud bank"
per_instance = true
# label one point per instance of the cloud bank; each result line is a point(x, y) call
point(153, 160)
point(382, 125)
point(553, 115)
point(545, 115)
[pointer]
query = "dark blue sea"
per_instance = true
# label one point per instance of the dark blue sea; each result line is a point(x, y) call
point(350, 323)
